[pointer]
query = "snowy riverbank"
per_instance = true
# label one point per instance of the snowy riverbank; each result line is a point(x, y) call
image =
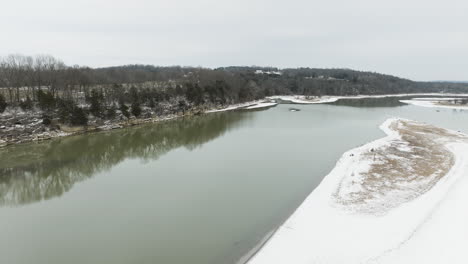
point(399, 199)
point(248, 105)
point(20, 127)
point(235, 106)
point(301, 99)
point(435, 102)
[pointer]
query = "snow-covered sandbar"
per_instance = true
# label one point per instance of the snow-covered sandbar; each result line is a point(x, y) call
point(301, 99)
point(248, 105)
point(399, 199)
point(262, 105)
point(443, 102)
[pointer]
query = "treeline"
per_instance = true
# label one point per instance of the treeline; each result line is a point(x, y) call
point(75, 91)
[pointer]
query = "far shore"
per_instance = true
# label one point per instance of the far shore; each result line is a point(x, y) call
point(443, 102)
point(268, 102)
point(66, 130)
point(302, 99)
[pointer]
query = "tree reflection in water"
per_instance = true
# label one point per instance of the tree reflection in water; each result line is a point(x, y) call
point(372, 102)
point(34, 172)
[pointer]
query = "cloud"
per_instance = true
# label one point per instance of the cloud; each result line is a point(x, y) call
point(422, 40)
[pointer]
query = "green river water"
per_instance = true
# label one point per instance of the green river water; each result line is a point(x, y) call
point(201, 190)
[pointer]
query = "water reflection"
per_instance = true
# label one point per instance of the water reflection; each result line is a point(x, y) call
point(372, 102)
point(34, 172)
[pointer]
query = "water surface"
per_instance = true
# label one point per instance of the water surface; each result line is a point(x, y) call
point(200, 190)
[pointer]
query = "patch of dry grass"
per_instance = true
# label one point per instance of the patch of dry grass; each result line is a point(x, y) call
point(399, 171)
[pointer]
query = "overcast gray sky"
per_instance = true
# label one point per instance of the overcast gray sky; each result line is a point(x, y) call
point(416, 39)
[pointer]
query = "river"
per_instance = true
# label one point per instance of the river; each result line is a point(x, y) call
point(199, 190)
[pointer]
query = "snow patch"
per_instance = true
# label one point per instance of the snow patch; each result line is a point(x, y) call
point(261, 105)
point(301, 99)
point(248, 105)
point(434, 102)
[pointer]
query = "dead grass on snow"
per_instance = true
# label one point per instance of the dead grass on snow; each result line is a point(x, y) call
point(399, 171)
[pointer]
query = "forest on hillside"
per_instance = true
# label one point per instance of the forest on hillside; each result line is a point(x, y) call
point(72, 93)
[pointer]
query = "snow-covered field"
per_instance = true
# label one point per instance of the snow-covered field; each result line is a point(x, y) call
point(269, 102)
point(434, 102)
point(426, 222)
point(404, 95)
point(235, 106)
point(301, 99)
point(262, 105)
point(248, 105)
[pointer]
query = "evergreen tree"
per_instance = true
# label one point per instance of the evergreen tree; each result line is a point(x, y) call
point(65, 109)
point(151, 103)
point(96, 103)
point(78, 117)
point(182, 106)
point(124, 109)
point(110, 113)
point(194, 93)
point(179, 91)
point(134, 94)
point(3, 103)
point(136, 109)
point(46, 100)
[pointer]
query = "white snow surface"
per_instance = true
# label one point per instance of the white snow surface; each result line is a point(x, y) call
point(301, 99)
point(432, 102)
point(436, 98)
point(432, 228)
point(235, 106)
point(247, 105)
point(262, 105)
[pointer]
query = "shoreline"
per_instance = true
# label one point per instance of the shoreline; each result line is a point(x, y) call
point(427, 102)
point(328, 228)
point(49, 135)
point(259, 245)
point(301, 99)
point(265, 103)
point(66, 131)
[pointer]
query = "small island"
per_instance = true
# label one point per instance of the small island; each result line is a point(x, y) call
point(372, 206)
